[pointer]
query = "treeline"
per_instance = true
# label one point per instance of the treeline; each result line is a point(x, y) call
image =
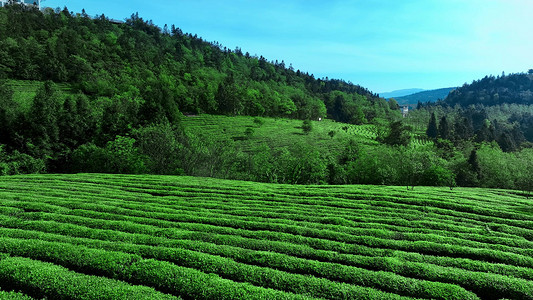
point(507, 125)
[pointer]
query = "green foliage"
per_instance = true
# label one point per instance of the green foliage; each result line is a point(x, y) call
point(161, 146)
point(87, 95)
point(19, 163)
point(9, 111)
point(13, 296)
point(297, 164)
point(444, 130)
point(118, 156)
point(398, 134)
point(432, 130)
point(491, 90)
point(307, 126)
point(43, 120)
point(259, 121)
point(47, 280)
point(172, 71)
point(249, 132)
point(76, 83)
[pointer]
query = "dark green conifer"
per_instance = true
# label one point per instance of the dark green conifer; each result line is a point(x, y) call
point(432, 130)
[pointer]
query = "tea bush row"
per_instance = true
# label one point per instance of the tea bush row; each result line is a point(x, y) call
point(41, 279)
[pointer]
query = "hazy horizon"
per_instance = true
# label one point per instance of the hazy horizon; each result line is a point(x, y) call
point(381, 45)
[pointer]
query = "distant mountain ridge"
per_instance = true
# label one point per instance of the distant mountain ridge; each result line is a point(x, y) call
point(400, 93)
point(425, 96)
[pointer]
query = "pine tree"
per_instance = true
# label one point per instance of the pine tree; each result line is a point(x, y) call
point(473, 162)
point(398, 134)
point(506, 142)
point(432, 130)
point(444, 128)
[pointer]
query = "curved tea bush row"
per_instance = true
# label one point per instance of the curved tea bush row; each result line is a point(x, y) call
point(266, 277)
point(475, 240)
point(42, 279)
point(290, 241)
point(475, 281)
point(123, 266)
point(216, 244)
point(316, 243)
point(407, 233)
point(321, 239)
point(494, 227)
point(12, 295)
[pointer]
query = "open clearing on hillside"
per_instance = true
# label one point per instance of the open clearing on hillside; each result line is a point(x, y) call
point(96, 236)
point(280, 132)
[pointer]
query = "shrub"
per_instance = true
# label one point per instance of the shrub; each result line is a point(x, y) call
point(307, 126)
point(259, 121)
point(249, 132)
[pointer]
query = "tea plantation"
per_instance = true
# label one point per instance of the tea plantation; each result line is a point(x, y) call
point(96, 236)
point(327, 135)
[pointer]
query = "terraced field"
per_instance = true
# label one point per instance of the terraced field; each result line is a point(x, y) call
point(25, 91)
point(285, 132)
point(92, 236)
point(279, 132)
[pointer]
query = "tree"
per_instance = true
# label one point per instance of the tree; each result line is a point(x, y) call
point(398, 134)
point(43, 119)
point(432, 130)
point(506, 142)
point(229, 97)
point(444, 131)
point(473, 163)
point(160, 144)
point(9, 110)
point(393, 104)
point(462, 129)
point(524, 174)
point(76, 121)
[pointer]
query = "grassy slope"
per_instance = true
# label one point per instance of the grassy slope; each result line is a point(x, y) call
point(206, 238)
point(25, 91)
point(284, 132)
point(279, 132)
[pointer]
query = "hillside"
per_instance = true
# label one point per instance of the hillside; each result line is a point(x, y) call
point(163, 237)
point(83, 94)
point(490, 91)
point(424, 96)
point(496, 110)
point(165, 70)
point(76, 89)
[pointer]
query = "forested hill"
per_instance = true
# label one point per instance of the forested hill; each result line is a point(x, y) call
point(489, 91)
point(424, 96)
point(167, 72)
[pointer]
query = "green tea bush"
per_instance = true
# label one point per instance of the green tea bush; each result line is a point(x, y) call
point(41, 279)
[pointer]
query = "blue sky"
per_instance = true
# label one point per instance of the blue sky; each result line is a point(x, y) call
point(383, 45)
